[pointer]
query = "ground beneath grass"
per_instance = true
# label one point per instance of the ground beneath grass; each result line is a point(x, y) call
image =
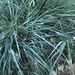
point(63, 68)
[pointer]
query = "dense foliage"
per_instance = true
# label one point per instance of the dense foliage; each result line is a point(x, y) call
point(35, 35)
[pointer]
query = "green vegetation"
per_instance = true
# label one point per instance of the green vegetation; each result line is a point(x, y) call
point(35, 34)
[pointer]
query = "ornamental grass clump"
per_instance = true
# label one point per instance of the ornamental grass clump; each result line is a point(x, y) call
point(35, 35)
